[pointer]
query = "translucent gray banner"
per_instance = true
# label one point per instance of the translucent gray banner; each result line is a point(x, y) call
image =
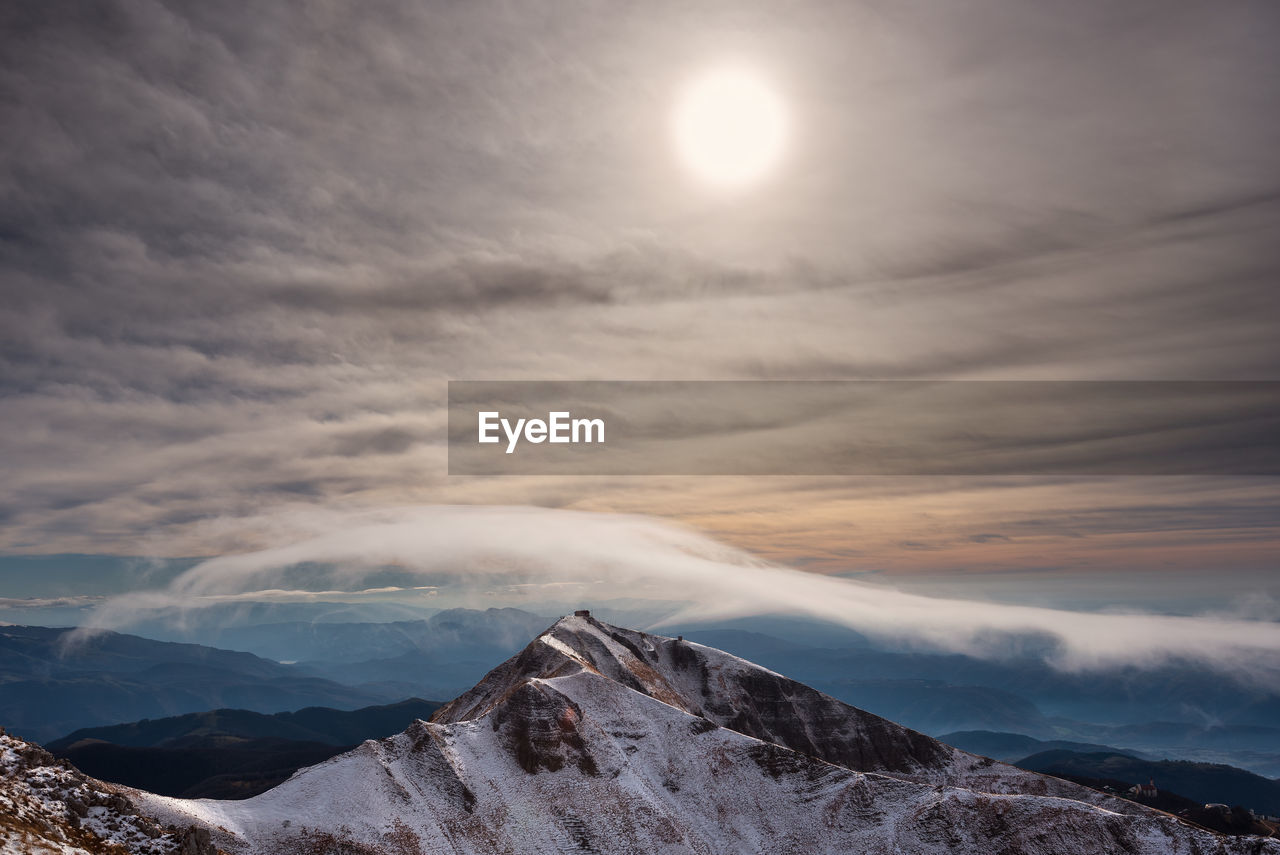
point(877, 427)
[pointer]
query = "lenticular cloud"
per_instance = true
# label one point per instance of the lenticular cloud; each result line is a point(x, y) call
point(486, 547)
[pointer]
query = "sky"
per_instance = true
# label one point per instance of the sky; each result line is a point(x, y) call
point(243, 247)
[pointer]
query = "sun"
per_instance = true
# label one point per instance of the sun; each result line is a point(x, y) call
point(729, 127)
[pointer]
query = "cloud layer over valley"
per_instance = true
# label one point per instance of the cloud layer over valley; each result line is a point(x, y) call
point(597, 557)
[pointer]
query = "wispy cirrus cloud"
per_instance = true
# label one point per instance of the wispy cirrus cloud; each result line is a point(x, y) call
point(239, 256)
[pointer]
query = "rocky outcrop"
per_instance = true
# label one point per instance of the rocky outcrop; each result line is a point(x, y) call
point(47, 806)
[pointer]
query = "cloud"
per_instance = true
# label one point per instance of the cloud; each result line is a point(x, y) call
point(49, 602)
point(488, 548)
point(241, 250)
point(283, 595)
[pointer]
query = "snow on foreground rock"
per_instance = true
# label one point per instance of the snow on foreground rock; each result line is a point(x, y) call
point(600, 739)
point(47, 806)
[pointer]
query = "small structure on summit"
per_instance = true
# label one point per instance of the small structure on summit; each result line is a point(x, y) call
point(582, 613)
point(1145, 791)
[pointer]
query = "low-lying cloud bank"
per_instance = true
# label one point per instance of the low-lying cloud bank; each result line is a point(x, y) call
point(481, 548)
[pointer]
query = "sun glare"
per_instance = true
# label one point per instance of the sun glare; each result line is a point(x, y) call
point(729, 127)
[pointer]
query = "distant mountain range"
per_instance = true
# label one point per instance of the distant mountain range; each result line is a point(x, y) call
point(228, 753)
point(231, 726)
point(1009, 747)
point(51, 684)
point(937, 692)
point(1199, 782)
point(1188, 692)
point(600, 739)
point(437, 656)
point(464, 633)
point(1178, 710)
point(1202, 782)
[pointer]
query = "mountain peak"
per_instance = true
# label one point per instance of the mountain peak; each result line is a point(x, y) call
point(712, 685)
point(597, 738)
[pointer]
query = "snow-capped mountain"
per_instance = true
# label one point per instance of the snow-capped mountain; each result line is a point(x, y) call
point(601, 739)
point(48, 807)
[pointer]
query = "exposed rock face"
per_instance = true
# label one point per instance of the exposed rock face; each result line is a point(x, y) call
point(723, 690)
point(713, 685)
point(598, 739)
point(197, 841)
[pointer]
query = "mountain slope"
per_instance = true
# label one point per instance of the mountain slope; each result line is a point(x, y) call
point(705, 682)
point(597, 739)
point(733, 693)
point(46, 807)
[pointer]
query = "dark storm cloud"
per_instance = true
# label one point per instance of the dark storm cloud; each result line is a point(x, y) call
point(242, 246)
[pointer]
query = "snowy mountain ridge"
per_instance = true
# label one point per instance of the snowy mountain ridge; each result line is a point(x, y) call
point(599, 739)
point(49, 807)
